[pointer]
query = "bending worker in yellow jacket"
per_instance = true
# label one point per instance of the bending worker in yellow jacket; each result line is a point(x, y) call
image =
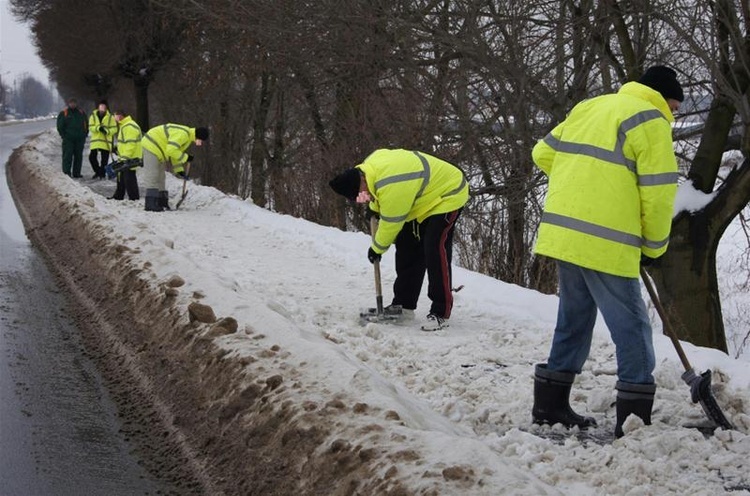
point(418, 198)
point(164, 148)
point(612, 183)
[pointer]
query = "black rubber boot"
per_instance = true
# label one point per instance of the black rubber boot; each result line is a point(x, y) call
point(637, 399)
point(153, 201)
point(164, 199)
point(552, 399)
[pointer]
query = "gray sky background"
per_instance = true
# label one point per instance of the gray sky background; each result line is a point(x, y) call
point(17, 52)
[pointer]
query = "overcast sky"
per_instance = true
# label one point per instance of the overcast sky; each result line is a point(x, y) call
point(17, 52)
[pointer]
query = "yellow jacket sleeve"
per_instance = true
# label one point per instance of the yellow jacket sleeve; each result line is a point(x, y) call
point(657, 183)
point(543, 154)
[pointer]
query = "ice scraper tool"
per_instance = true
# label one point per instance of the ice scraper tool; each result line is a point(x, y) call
point(184, 186)
point(377, 314)
point(700, 385)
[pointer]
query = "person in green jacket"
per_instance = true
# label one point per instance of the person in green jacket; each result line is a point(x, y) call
point(102, 127)
point(418, 198)
point(73, 128)
point(612, 183)
point(164, 148)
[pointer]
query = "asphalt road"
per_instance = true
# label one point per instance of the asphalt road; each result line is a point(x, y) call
point(58, 425)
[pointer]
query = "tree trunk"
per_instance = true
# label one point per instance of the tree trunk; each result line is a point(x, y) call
point(140, 88)
point(687, 283)
point(686, 278)
point(707, 160)
point(258, 169)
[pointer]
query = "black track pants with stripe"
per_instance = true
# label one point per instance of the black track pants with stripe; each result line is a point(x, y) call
point(426, 247)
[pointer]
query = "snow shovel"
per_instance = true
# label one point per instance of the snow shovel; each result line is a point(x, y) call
point(184, 186)
point(700, 385)
point(377, 314)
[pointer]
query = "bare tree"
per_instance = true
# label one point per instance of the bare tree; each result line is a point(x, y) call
point(687, 277)
point(88, 45)
point(77, 56)
point(3, 98)
point(296, 91)
point(32, 98)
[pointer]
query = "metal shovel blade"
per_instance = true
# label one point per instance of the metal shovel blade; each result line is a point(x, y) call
point(371, 315)
point(700, 391)
point(700, 385)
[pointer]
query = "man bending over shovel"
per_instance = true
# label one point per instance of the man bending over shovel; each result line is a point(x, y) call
point(418, 198)
point(164, 148)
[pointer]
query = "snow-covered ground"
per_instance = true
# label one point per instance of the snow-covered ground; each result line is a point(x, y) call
point(463, 394)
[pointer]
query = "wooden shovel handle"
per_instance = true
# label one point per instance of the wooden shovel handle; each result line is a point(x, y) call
point(376, 264)
point(184, 182)
point(668, 330)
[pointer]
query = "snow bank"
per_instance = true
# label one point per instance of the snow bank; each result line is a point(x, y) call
point(289, 394)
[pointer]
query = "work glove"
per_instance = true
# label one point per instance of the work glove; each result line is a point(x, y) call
point(190, 158)
point(114, 150)
point(182, 175)
point(372, 256)
point(371, 213)
point(102, 130)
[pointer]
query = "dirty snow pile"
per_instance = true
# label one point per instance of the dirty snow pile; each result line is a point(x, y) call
point(466, 391)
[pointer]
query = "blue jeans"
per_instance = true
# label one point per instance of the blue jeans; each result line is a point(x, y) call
point(619, 299)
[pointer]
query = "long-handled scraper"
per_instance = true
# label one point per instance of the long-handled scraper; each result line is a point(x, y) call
point(378, 314)
point(184, 186)
point(700, 385)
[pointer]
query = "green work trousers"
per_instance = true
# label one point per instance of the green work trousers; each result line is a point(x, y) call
point(72, 156)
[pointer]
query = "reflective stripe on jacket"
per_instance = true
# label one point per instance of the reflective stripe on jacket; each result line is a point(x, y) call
point(99, 140)
point(407, 185)
point(168, 143)
point(612, 182)
point(129, 139)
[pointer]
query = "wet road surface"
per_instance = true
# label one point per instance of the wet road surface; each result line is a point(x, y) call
point(59, 431)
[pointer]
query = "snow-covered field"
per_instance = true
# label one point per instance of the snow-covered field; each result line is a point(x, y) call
point(464, 394)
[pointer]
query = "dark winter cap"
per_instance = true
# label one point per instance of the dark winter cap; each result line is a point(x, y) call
point(103, 102)
point(201, 133)
point(346, 184)
point(664, 80)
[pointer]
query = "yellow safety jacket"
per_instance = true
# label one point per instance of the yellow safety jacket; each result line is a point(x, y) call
point(129, 140)
point(99, 140)
point(168, 143)
point(407, 185)
point(612, 182)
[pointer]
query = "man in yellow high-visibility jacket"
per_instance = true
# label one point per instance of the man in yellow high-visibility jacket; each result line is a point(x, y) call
point(129, 147)
point(418, 198)
point(612, 183)
point(164, 148)
point(102, 128)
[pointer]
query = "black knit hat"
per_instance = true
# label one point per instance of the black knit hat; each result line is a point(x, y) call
point(664, 80)
point(347, 183)
point(201, 133)
point(103, 101)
